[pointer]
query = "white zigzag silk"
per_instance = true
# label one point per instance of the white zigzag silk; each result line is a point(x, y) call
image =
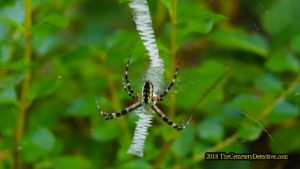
point(154, 73)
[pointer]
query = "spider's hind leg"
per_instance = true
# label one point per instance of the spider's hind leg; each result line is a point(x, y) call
point(126, 83)
point(168, 121)
point(166, 91)
point(109, 116)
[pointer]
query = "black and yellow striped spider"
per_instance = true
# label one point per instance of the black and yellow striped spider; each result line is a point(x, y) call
point(147, 99)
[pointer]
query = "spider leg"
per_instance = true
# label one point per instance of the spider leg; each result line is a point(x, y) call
point(126, 82)
point(109, 116)
point(168, 121)
point(162, 95)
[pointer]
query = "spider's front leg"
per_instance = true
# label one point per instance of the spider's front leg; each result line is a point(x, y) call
point(126, 82)
point(161, 96)
point(168, 121)
point(109, 116)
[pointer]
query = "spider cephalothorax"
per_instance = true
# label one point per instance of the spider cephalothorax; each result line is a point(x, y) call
point(147, 98)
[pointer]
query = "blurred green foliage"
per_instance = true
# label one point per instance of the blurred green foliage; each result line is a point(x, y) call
point(240, 61)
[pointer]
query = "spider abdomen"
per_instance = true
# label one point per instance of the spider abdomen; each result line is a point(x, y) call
point(147, 92)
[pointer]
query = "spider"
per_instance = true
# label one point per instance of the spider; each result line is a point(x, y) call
point(146, 98)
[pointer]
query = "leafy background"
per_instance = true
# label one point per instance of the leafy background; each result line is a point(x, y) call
point(239, 62)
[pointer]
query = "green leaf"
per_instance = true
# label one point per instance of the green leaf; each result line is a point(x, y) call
point(195, 20)
point(11, 80)
point(8, 95)
point(240, 40)
point(250, 132)
point(236, 147)
point(211, 130)
point(239, 70)
point(296, 43)
point(294, 96)
point(283, 62)
point(123, 1)
point(286, 140)
point(269, 83)
point(4, 52)
point(39, 3)
point(199, 79)
point(45, 163)
point(7, 2)
point(201, 149)
point(104, 131)
point(44, 138)
point(44, 38)
point(183, 144)
point(12, 15)
point(30, 152)
point(283, 111)
point(37, 144)
point(82, 107)
point(248, 103)
point(282, 15)
point(8, 114)
point(136, 164)
point(72, 162)
point(42, 88)
point(58, 20)
point(225, 164)
point(48, 116)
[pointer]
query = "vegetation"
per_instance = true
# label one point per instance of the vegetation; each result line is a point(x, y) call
point(239, 79)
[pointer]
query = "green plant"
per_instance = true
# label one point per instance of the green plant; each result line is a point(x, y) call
point(239, 62)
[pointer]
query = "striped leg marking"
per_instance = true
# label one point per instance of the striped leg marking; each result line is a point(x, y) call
point(161, 96)
point(126, 82)
point(169, 122)
point(109, 116)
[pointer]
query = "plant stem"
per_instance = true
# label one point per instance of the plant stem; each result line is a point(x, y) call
point(173, 50)
point(23, 105)
point(160, 16)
